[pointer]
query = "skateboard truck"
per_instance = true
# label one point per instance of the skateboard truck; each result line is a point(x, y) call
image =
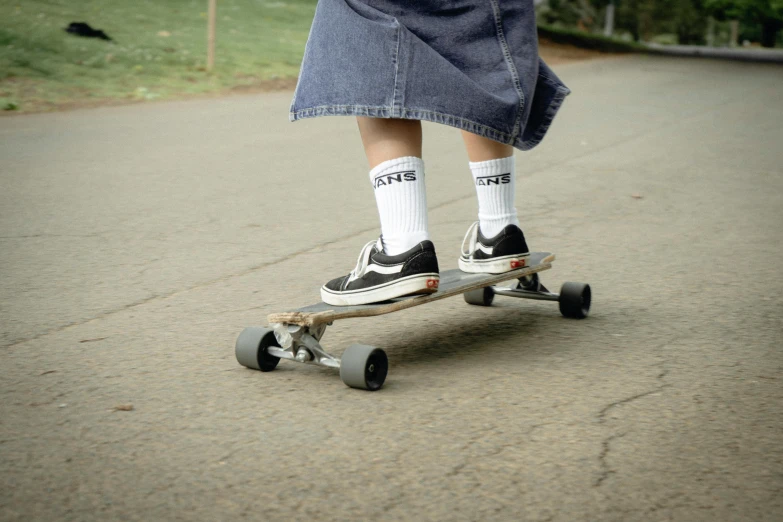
point(361, 366)
point(300, 343)
point(574, 298)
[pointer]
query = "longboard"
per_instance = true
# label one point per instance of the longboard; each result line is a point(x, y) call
point(295, 335)
point(452, 282)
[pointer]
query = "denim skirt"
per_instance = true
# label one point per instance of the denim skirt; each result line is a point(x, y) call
point(471, 64)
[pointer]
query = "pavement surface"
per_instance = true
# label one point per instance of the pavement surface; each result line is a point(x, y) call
point(137, 242)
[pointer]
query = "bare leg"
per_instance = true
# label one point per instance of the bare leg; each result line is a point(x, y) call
point(484, 149)
point(386, 139)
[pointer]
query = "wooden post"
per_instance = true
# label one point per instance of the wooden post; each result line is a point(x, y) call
point(609, 25)
point(734, 24)
point(212, 15)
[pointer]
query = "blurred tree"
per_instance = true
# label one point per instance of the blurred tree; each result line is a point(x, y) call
point(645, 18)
point(579, 13)
point(691, 22)
point(766, 13)
point(608, 7)
point(687, 19)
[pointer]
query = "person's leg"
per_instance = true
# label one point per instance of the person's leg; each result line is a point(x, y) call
point(403, 261)
point(484, 149)
point(387, 139)
point(393, 149)
point(496, 244)
point(492, 166)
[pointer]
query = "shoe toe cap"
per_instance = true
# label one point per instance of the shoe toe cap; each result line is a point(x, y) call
point(336, 285)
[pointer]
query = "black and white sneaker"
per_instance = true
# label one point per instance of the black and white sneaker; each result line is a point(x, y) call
point(379, 277)
point(505, 252)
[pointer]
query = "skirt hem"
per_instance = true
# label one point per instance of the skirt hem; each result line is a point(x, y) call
point(485, 131)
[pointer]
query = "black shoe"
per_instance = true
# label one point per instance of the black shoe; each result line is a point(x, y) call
point(505, 252)
point(378, 277)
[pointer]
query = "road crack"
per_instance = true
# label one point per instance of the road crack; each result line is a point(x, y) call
point(606, 445)
point(606, 470)
point(605, 410)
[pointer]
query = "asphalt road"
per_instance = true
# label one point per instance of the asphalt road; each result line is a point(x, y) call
point(136, 242)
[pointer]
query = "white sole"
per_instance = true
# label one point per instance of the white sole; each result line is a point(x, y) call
point(497, 265)
point(418, 284)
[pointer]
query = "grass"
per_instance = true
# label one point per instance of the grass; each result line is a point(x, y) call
point(158, 49)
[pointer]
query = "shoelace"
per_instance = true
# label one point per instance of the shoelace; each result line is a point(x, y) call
point(472, 234)
point(364, 258)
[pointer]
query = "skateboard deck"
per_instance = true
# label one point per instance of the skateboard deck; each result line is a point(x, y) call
point(452, 282)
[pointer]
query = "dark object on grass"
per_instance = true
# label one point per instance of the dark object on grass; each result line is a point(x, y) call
point(83, 29)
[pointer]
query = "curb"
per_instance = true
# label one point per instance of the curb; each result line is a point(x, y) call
point(743, 55)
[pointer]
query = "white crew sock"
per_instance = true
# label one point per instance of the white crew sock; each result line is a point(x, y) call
point(402, 203)
point(495, 188)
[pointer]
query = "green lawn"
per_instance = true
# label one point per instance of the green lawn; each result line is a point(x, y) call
point(159, 49)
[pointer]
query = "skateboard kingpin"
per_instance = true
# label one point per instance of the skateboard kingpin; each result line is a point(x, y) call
point(295, 335)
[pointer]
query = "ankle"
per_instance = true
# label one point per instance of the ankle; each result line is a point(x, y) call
point(494, 225)
point(397, 244)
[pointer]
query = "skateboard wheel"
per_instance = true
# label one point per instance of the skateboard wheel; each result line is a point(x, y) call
point(480, 297)
point(251, 348)
point(364, 367)
point(575, 300)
